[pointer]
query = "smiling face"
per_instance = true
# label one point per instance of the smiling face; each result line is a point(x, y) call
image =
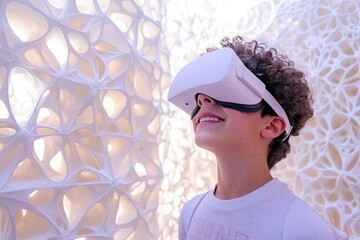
point(219, 129)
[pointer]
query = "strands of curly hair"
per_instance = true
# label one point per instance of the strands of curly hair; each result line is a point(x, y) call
point(283, 80)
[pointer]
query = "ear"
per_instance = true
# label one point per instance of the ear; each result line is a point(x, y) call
point(273, 127)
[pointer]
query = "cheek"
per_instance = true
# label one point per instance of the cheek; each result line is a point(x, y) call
point(243, 125)
point(194, 125)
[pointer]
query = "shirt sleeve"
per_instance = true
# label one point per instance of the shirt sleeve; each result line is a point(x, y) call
point(303, 223)
point(182, 223)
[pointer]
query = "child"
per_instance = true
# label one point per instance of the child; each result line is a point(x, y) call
point(247, 128)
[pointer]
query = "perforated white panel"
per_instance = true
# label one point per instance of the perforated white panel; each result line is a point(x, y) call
point(81, 85)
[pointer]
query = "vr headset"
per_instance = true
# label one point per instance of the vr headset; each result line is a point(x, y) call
point(222, 76)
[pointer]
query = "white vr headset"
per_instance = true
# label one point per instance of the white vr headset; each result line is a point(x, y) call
point(221, 75)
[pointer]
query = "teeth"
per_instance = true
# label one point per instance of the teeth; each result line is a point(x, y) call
point(209, 119)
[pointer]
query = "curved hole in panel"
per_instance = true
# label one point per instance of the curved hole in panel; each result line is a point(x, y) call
point(41, 196)
point(140, 43)
point(124, 233)
point(130, 7)
point(57, 163)
point(57, 45)
point(2, 74)
point(347, 8)
point(87, 159)
point(349, 196)
point(154, 126)
point(85, 132)
point(355, 126)
point(76, 202)
point(353, 73)
point(137, 188)
point(113, 128)
point(28, 24)
point(86, 69)
point(141, 109)
point(117, 66)
point(79, 42)
point(309, 136)
point(57, 171)
point(59, 4)
point(112, 207)
point(140, 170)
point(92, 144)
point(96, 30)
point(114, 103)
point(85, 6)
point(333, 151)
point(123, 22)
point(7, 131)
point(348, 62)
point(150, 30)
point(45, 131)
point(6, 225)
point(346, 48)
point(45, 77)
point(83, 231)
point(86, 176)
point(99, 66)
point(123, 169)
point(30, 224)
point(142, 84)
point(27, 170)
point(103, 4)
point(125, 126)
point(39, 148)
point(117, 147)
point(353, 161)
point(115, 196)
point(73, 60)
point(48, 117)
point(150, 52)
point(59, 222)
point(312, 173)
point(82, 90)
point(4, 113)
point(116, 38)
point(94, 216)
point(142, 230)
point(67, 98)
point(104, 46)
point(24, 92)
point(12, 156)
point(34, 57)
point(126, 211)
point(330, 184)
point(131, 35)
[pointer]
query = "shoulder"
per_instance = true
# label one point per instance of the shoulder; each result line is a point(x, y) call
point(303, 222)
point(187, 213)
point(190, 207)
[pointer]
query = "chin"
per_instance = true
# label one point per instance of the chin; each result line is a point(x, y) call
point(206, 142)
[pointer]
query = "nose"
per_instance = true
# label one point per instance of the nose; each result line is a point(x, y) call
point(203, 99)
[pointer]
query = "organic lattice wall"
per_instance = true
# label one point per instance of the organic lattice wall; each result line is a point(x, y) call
point(323, 38)
point(86, 138)
point(81, 85)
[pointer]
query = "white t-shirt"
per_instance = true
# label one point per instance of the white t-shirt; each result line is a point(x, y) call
point(271, 212)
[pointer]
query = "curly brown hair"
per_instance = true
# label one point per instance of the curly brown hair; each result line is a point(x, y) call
point(285, 82)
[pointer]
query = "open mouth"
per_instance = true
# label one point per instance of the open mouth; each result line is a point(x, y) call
point(210, 119)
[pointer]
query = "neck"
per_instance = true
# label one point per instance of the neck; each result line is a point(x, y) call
point(238, 177)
